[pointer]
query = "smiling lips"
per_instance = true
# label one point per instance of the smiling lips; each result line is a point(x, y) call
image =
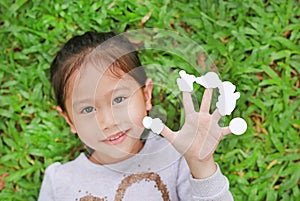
point(116, 138)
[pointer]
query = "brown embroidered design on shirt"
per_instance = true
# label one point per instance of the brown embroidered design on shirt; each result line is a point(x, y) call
point(92, 198)
point(133, 179)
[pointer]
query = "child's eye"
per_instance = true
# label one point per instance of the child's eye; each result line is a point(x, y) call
point(87, 110)
point(118, 100)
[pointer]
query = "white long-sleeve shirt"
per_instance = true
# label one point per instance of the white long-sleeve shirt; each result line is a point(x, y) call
point(157, 172)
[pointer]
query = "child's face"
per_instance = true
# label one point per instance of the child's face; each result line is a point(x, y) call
point(106, 111)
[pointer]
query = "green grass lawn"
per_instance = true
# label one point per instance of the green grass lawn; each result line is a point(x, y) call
point(253, 44)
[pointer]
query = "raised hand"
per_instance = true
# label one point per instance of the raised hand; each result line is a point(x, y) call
point(201, 133)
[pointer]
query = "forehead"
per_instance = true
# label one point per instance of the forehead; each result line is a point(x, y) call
point(90, 80)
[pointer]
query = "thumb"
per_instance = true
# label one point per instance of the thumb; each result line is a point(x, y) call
point(158, 127)
point(168, 134)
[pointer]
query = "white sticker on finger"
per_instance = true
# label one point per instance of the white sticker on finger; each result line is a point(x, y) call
point(186, 81)
point(209, 80)
point(238, 126)
point(156, 125)
point(227, 98)
point(147, 122)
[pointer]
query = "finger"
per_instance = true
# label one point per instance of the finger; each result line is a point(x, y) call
point(216, 115)
point(226, 130)
point(206, 100)
point(168, 134)
point(188, 103)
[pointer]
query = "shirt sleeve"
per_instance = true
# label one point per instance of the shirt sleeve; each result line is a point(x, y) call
point(46, 192)
point(213, 188)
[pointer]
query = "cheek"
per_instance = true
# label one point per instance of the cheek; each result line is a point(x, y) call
point(132, 114)
point(87, 128)
point(137, 111)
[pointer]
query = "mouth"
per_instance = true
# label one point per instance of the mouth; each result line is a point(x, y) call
point(116, 138)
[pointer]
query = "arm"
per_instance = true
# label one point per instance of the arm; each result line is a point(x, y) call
point(200, 135)
point(214, 187)
point(198, 138)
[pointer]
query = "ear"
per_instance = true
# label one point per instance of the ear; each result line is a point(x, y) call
point(67, 118)
point(148, 93)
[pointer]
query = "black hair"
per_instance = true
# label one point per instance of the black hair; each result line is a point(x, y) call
point(73, 54)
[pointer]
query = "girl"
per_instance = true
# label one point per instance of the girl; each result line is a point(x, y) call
point(103, 93)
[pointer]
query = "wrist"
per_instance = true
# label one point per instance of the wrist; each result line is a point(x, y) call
point(202, 169)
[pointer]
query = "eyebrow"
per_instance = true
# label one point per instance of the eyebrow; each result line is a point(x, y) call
point(123, 88)
point(81, 101)
point(85, 100)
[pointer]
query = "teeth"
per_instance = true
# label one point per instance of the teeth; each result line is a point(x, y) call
point(114, 138)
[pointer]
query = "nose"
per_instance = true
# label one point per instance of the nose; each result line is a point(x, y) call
point(106, 118)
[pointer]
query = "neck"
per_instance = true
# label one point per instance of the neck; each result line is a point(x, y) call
point(105, 159)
